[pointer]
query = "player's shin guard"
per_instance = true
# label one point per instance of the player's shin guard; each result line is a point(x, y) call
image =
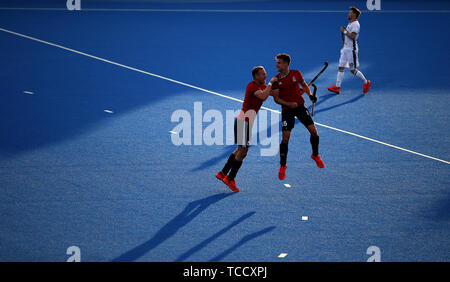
point(339, 78)
point(283, 153)
point(234, 169)
point(228, 165)
point(314, 144)
point(359, 75)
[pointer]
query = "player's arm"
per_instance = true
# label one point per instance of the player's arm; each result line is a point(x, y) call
point(275, 94)
point(305, 87)
point(263, 94)
point(345, 32)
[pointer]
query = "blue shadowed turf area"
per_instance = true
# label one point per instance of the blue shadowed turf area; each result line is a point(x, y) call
point(114, 185)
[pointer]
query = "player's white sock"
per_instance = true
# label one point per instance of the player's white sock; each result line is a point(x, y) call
point(340, 76)
point(361, 76)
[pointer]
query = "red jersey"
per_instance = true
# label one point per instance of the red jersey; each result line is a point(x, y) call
point(289, 88)
point(251, 102)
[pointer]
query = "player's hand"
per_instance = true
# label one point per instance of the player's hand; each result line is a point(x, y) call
point(312, 98)
point(292, 105)
point(342, 29)
point(274, 79)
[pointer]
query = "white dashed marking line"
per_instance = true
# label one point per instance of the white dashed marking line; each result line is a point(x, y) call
point(287, 185)
point(108, 111)
point(304, 218)
point(28, 92)
point(282, 255)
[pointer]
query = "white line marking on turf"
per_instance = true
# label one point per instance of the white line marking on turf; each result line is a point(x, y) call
point(287, 185)
point(211, 92)
point(221, 10)
point(383, 143)
point(282, 255)
point(108, 111)
point(28, 92)
point(304, 218)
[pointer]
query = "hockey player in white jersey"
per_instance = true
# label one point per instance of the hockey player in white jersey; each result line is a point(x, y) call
point(349, 52)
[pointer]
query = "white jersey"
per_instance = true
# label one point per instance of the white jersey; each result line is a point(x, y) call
point(352, 27)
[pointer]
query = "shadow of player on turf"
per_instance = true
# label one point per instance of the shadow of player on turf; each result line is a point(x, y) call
point(241, 242)
point(215, 160)
point(191, 211)
point(322, 99)
point(353, 100)
point(205, 242)
point(441, 211)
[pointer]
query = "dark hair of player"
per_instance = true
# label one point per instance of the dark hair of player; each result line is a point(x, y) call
point(255, 70)
point(284, 57)
point(356, 11)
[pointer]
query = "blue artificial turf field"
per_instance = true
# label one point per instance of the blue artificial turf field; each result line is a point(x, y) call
point(114, 185)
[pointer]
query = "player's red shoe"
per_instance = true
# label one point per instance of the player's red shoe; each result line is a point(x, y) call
point(318, 161)
point(334, 89)
point(220, 175)
point(231, 184)
point(366, 86)
point(282, 172)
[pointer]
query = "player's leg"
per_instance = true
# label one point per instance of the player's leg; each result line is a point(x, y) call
point(306, 119)
point(222, 174)
point(242, 138)
point(314, 139)
point(286, 135)
point(343, 63)
point(287, 123)
point(240, 156)
point(358, 73)
point(226, 168)
point(340, 76)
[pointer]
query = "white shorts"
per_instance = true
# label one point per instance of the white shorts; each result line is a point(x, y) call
point(349, 58)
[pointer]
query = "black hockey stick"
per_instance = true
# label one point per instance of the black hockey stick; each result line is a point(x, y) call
point(314, 95)
point(311, 83)
point(323, 69)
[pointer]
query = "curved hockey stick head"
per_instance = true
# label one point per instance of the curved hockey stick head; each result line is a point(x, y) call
point(323, 69)
point(314, 89)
